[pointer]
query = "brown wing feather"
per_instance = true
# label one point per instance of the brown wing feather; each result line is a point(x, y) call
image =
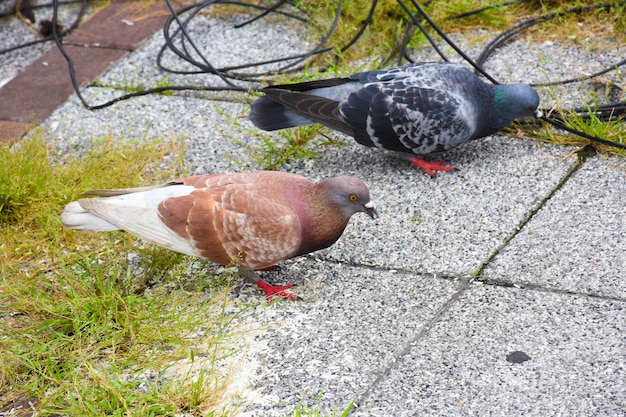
point(246, 217)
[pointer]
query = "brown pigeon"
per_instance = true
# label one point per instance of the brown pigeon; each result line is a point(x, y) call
point(251, 220)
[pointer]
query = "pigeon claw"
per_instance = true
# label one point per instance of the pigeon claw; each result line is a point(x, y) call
point(278, 290)
point(431, 167)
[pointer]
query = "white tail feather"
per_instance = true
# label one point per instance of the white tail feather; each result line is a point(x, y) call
point(74, 216)
point(135, 213)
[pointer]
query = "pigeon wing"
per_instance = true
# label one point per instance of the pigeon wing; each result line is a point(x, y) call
point(248, 223)
point(405, 118)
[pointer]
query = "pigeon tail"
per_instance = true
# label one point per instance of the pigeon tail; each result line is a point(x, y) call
point(310, 107)
point(267, 114)
point(75, 217)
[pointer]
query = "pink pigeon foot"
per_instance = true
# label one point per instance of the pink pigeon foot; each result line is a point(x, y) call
point(279, 290)
point(431, 167)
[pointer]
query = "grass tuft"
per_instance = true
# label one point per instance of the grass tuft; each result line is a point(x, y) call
point(612, 131)
point(133, 84)
point(390, 21)
point(34, 192)
point(303, 409)
point(289, 146)
point(24, 174)
point(89, 324)
point(286, 146)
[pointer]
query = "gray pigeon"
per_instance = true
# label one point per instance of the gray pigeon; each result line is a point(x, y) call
point(419, 109)
point(251, 220)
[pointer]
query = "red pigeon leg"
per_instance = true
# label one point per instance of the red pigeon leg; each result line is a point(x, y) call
point(270, 290)
point(279, 290)
point(431, 167)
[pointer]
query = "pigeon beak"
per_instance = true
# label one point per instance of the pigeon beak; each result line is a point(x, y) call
point(371, 210)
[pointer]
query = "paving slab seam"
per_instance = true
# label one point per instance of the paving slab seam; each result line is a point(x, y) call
point(450, 276)
point(464, 287)
point(541, 288)
point(533, 212)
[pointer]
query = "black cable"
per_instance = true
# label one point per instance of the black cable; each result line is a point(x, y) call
point(70, 63)
point(423, 30)
point(516, 29)
point(196, 8)
point(446, 39)
point(69, 29)
point(560, 125)
point(583, 78)
point(272, 9)
point(187, 47)
point(209, 67)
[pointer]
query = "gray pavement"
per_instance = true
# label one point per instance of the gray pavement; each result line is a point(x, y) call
point(391, 316)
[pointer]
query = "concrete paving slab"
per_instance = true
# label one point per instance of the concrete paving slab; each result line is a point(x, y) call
point(123, 24)
point(577, 241)
point(576, 345)
point(45, 84)
point(453, 223)
point(340, 336)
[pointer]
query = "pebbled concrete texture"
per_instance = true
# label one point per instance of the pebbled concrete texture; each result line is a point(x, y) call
point(577, 241)
point(391, 316)
point(308, 353)
point(575, 343)
point(449, 224)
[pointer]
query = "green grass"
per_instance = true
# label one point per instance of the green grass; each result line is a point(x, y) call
point(275, 150)
point(33, 191)
point(289, 146)
point(81, 341)
point(612, 131)
point(303, 409)
point(86, 318)
point(132, 84)
point(389, 20)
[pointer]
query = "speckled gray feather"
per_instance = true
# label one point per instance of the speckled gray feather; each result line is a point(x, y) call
point(421, 109)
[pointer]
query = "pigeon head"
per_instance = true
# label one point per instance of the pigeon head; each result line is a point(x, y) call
point(348, 195)
point(514, 101)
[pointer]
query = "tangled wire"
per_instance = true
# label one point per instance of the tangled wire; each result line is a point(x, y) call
point(180, 42)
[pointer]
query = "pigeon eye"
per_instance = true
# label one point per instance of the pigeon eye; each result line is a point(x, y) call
point(353, 197)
